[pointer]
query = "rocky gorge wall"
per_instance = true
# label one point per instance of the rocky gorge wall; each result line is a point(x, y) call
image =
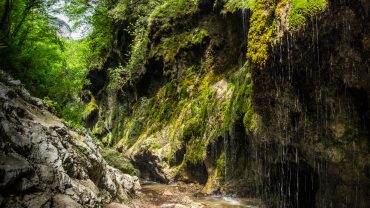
point(165, 114)
point(289, 123)
point(44, 163)
point(313, 98)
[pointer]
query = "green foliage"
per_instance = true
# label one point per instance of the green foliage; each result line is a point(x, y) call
point(116, 159)
point(207, 110)
point(249, 120)
point(220, 165)
point(188, 111)
point(197, 130)
point(136, 16)
point(139, 51)
point(90, 107)
point(173, 9)
point(118, 77)
point(82, 150)
point(241, 100)
point(260, 35)
point(169, 47)
point(144, 17)
point(301, 10)
point(133, 132)
point(193, 128)
point(55, 74)
point(94, 17)
point(195, 150)
point(235, 5)
point(51, 104)
point(49, 66)
point(15, 13)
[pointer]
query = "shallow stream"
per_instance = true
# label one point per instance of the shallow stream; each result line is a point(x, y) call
point(181, 196)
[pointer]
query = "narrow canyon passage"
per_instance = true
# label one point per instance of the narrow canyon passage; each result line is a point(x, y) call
point(185, 103)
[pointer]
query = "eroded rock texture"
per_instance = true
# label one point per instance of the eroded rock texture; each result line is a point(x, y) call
point(44, 163)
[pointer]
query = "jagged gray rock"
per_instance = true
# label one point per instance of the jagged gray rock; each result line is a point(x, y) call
point(44, 163)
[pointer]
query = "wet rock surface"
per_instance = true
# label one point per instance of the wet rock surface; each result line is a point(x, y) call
point(313, 98)
point(44, 163)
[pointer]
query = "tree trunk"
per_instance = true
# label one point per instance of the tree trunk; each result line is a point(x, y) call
point(5, 20)
point(26, 12)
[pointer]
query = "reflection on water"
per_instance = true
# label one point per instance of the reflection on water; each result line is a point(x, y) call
point(161, 195)
point(226, 202)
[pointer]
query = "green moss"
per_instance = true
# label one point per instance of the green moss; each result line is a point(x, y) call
point(232, 6)
point(262, 23)
point(235, 5)
point(98, 128)
point(162, 106)
point(139, 50)
point(301, 10)
point(116, 159)
point(260, 32)
point(169, 47)
point(195, 150)
point(171, 10)
point(210, 106)
point(155, 145)
point(149, 16)
point(192, 110)
point(50, 103)
point(134, 129)
point(82, 150)
point(210, 115)
point(249, 121)
point(205, 121)
point(119, 76)
point(193, 128)
point(241, 101)
point(90, 107)
point(108, 140)
point(207, 81)
point(191, 115)
point(220, 166)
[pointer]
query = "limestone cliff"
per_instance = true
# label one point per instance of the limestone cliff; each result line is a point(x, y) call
point(44, 163)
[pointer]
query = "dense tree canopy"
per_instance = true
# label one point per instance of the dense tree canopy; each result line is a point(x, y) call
point(53, 67)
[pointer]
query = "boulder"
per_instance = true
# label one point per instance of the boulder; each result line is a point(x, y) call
point(45, 163)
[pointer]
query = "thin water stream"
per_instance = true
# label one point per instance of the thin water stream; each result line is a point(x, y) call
point(188, 195)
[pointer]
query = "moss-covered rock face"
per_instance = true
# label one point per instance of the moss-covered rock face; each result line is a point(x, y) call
point(182, 87)
point(261, 98)
point(313, 98)
point(302, 10)
point(116, 159)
